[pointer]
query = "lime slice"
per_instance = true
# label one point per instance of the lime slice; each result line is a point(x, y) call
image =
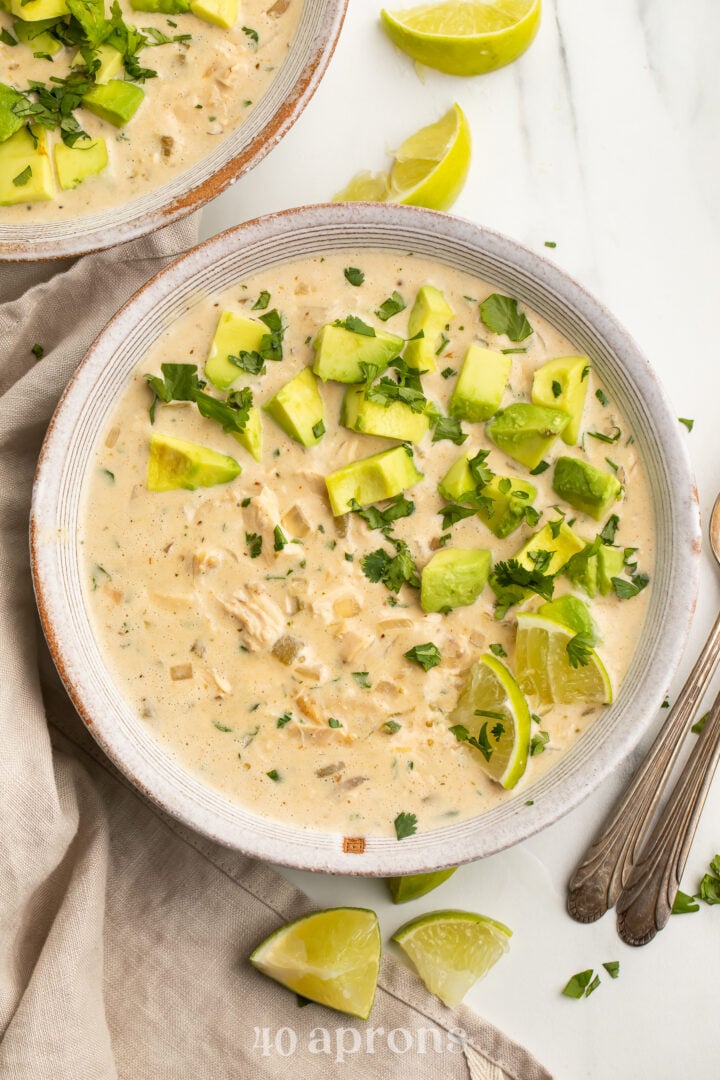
point(429, 170)
point(452, 950)
point(492, 709)
point(412, 886)
point(572, 613)
point(464, 37)
point(544, 668)
point(331, 957)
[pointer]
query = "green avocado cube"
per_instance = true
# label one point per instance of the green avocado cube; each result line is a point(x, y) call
point(610, 564)
point(115, 101)
point(299, 409)
point(36, 36)
point(339, 353)
point(562, 384)
point(251, 437)
point(480, 385)
point(394, 421)
point(526, 432)
point(37, 10)
point(164, 7)
point(457, 481)
point(510, 497)
point(111, 63)
point(175, 463)
point(430, 313)
point(222, 13)
point(586, 488)
point(234, 334)
point(25, 170)
point(583, 572)
point(73, 164)
point(454, 577)
point(371, 479)
point(9, 121)
point(561, 547)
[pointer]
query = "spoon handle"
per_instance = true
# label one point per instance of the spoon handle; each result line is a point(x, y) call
point(645, 904)
point(603, 873)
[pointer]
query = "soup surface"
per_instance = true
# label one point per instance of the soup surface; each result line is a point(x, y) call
point(255, 631)
point(207, 81)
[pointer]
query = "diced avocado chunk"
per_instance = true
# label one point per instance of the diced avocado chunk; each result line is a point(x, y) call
point(610, 564)
point(371, 479)
point(165, 7)
point(115, 101)
point(508, 504)
point(299, 409)
point(234, 334)
point(457, 481)
point(73, 164)
point(526, 432)
point(111, 63)
point(562, 384)
point(480, 385)
point(175, 463)
point(583, 572)
point(394, 421)
point(454, 577)
point(251, 437)
point(221, 13)
point(35, 10)
point(586, 488)
point(572, 612)
point(9, 122)
point(36, 36)
point(25, 171)
point(562, 547)
point(339, 353)
point(430, 313)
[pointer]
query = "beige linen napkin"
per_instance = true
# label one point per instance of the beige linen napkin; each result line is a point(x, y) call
point(124, 936)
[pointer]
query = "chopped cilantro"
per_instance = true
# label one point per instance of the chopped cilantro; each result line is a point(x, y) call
point(453, 513)
point(579, 649)
point(254, 544)
point(390, 307)
point(221, 727)
point(448, 372)
point(578, 985)
point(512, 576)
point(481, 743)
point(22, 178)
point(7, 38)
point(391, 726)
point(556, 388)
point(700, 724)
point(444, 342)
point(550, 244)
point(374, 518)
point(601, 396)
point(613, 968)
point(318, 429)
point(448, 427)
point(683, 904)
point(251, 362)
point(353, 275)
point(356, 326)
point(271, 344)
point(262, 301)
point(280, 538)
point(406, 387)
point(689, 424)
point(427, 655)
point(333, 723)
point(37, 351)
point(284, 719)
point(500, 314)
point(497, 650)
point(362, 679)
point(251, 34)
point(405, 825)
point(625, 590)
point(541, 467)
point(610, 529)
point(538, 743)
point(273, 775)
point(613, 438)
point(392, 570)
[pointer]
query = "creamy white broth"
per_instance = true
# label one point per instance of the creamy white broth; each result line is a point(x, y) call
point(204, 89)
point(173, 590)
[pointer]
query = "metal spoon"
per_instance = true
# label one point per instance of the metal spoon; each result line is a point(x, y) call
point(608, 867)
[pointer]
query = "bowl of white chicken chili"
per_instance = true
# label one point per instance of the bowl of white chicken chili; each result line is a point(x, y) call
point(118, 117)
point(364, 541)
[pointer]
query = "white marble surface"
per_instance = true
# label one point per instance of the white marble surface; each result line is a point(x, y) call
point(603, 138)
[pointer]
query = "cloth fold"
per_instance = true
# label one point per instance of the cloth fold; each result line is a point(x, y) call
point(124, 936)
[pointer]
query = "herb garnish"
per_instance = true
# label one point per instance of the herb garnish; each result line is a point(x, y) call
point(405, 825)
point(601, 396)
point(427, 655)
point(23, 177)
point(392, 570)
point(271, 344)
point(251, 34)
point(180, 383)
point(497, 650)
point(448, 427)
point(609, 530)
point(356, 326)
point(354, 275)
point(448, 372)
point(513, 578)
point(280, 539)
point(606, 438)
point(625, 590)
point(37, 351)
point(689, 424)
point(541, 467)
point(374, 518)
point(251, 362)
point(406, 387)
point(539, 742)
point(481, 743)
point(262, 301)
point(579, 985)
point(284, 719)
point(500, 314)
point(579, 650)
point(254, 544)
point(333, 723)
point(391, 306)
point(273, 774)
point(362, 679)
point(391, 726)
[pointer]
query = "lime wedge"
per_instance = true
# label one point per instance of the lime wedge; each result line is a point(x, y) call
point(452, 950)
point(413, 886)
point(492, 710)
point(464, 37)
point(429, 169)
point(544, 665)
point(331, 957)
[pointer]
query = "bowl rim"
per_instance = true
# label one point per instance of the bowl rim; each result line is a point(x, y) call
point(84, 242)
point(310, 849)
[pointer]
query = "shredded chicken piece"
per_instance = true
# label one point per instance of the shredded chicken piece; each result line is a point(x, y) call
point(261, 620)
point(263, 513)
point(352, 643)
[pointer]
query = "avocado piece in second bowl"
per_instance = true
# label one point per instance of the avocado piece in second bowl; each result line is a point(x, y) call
point(299, 409)
point(454, 577)
point(526, 432)
point(176, 463)
point(430, 313)
point(562, 384)
point(25, 172)
point(73, 164)
point(394, 421)
point(9, 121)
point(116, 101)
point(339, 352)
point(481, 384)
point(586, 488)
point(371, 479)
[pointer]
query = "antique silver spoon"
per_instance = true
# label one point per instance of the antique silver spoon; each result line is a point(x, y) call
point(608, 867)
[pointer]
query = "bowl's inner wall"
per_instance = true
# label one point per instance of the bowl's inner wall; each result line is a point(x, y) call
point(217, 266)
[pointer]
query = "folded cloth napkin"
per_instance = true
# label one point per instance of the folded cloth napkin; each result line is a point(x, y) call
point(124, 936)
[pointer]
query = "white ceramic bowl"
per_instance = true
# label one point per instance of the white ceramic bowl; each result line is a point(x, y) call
point(299, 77)
point(215, 266)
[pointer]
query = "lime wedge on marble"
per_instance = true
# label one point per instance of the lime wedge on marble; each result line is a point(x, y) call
point(412, 886)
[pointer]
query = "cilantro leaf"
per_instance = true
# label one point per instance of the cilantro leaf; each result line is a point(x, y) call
point(609, 530)
point(353, 275)
point(481, 473)
point(23, 177)
point(613, 968)
point(232, 414)
point(362, 679)
point(539, 742)
point(601, 437)
point(497, 649)
point(541, 467)
point(397, 508)
point(625, 590)
point(356, 326)
point(405, 825)
point(689, 424)
point(280, 539)
point(392, 571)
point(710, 889)
point(251, 362)
point(512, 575)
point(391, 726)
point(391, 306)
point(254, 544)
point(283, 720)
point(579, 649)
point(500, 314)
point(428, 655)
point(453, 513)
point(333, 723)
point(271, 347)
point(405, 387)
point(577, 985)
point(448, 427)
point(262, 302)
point(684, 904)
